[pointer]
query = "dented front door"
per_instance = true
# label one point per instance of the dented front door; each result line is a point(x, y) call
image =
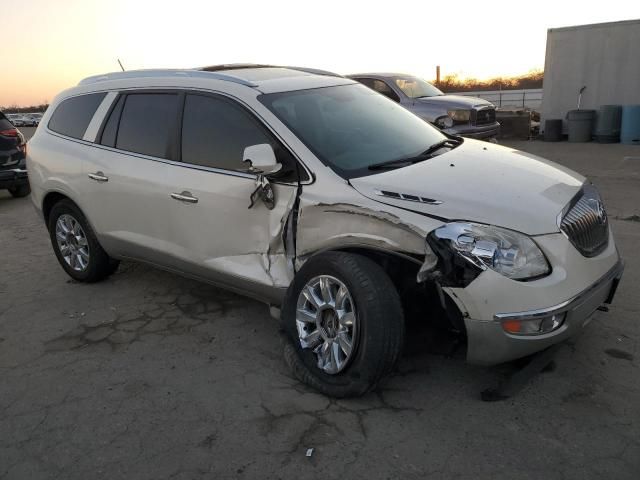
point(216, 236)
point(214, 233)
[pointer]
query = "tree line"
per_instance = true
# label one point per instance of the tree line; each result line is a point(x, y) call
point(453, 83)
point(30, 109)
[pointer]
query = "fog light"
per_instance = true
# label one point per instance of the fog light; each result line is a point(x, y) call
point(536, 326)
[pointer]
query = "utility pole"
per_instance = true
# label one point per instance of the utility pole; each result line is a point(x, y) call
point(437, 74)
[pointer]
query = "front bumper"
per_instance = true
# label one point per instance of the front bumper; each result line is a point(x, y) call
point(489, 344)
point(480, 132)
point(13, 178)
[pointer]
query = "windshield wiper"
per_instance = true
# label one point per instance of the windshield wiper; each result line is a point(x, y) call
point(447, 142)
point(428, 153)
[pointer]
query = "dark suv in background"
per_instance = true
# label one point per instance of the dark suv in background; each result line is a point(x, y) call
point(470, 117)
point(13, 168)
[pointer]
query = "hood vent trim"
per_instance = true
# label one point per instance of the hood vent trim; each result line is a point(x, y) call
point(407, 197)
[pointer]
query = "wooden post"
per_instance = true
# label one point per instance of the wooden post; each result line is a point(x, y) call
point(437, 74)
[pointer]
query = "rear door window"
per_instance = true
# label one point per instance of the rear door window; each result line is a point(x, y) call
point(147, 124)
point(73, 115)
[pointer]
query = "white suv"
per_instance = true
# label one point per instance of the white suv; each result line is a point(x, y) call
point(328, 201)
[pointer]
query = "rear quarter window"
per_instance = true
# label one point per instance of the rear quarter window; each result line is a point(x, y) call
point(73, 115)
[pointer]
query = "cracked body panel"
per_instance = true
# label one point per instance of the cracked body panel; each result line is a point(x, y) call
point(353, 220)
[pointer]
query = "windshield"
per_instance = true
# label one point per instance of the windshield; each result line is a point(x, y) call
point(416, 88)
point(351, 127)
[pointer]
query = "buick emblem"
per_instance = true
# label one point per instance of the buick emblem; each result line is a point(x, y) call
point(602, 214)
point(598, 208)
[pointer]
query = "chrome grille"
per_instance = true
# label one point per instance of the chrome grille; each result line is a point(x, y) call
point(585, 222)
point(484, 116)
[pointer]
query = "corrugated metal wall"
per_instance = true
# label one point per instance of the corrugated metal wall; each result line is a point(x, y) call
point(605, 57)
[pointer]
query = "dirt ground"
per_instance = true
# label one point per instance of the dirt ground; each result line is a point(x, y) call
point(151, 376)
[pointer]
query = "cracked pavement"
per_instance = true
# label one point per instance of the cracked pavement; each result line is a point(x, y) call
point(151, 376)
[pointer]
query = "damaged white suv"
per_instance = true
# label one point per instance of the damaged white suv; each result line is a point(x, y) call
point(328, 201)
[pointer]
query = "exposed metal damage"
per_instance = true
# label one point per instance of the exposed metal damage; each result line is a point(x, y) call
point(302, 225)
point(323, 226)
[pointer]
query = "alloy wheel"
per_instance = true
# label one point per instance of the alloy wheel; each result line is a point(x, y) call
point(72, 242)
point(327, 323)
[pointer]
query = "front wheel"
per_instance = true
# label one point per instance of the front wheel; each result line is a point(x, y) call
point(343, 317)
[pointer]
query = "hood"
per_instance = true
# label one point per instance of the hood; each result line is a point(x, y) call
point(483, 183)
point(453, 101)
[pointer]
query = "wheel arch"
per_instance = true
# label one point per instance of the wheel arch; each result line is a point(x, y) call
point(402, 269)
point(392, 262)
point(48, 202)
point(54, 197)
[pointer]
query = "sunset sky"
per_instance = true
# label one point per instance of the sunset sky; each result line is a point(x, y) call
point(49, 45)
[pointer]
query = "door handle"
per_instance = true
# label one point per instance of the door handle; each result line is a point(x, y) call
point(184, 197)
point(98, 177)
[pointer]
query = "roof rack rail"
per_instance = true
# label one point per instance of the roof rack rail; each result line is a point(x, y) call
point(164, 73)
point(315, 71)
point(241, 66)
point(234, 66)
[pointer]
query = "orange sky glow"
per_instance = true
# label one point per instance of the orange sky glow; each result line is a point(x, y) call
point(54, 44)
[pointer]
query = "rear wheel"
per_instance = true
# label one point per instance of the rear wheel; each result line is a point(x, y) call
point(20, 190)
point(76, 246)
point(345, 324)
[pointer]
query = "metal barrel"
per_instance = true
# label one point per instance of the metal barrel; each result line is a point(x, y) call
point(580, 123)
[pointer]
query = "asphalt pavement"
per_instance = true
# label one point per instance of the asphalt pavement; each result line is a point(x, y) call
point(150, 376)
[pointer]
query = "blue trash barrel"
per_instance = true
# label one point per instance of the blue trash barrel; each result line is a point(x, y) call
point(630, 128)
point(608, 124)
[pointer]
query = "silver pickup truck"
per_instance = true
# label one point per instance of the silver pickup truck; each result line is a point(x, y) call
point(454, 114)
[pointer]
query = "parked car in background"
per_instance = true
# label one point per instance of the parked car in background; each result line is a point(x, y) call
point(359, 212)
point(13, 169)
point(31, 120)
point(454, 114)
point(16, 119)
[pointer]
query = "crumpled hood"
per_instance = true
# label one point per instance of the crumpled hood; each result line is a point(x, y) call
point(484, 183)
point(454, 101)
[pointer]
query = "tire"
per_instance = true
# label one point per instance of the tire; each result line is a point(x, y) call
point(98, 265)
point(20, 190)
point(378, 324)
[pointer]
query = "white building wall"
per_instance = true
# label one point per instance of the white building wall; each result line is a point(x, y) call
point(605, 57)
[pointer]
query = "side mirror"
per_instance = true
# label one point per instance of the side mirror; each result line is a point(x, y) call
point(261, 159)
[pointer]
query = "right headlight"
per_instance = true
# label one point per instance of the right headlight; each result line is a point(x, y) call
point(459, 116)
point(509, 253)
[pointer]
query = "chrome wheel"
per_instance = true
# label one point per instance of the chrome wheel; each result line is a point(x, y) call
point(326, 322)
point(72, 242)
